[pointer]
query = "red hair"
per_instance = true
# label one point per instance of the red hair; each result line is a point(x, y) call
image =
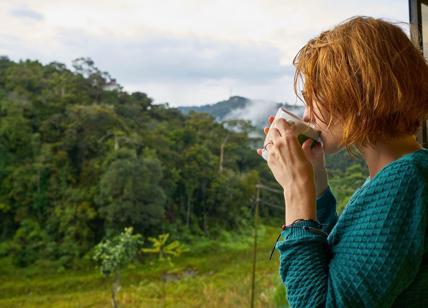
point(367, 74)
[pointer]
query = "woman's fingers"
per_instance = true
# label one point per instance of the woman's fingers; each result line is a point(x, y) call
point(259, 151)
point(276, 135)
point(282, 125)
point(306, 147)
point(270, 119)
point(314, 154)
point(294, 149)
point(265, 130)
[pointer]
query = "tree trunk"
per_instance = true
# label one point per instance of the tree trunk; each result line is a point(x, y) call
point(188, 211)
point(114, 289)
point(222, 153)
point(204, 212)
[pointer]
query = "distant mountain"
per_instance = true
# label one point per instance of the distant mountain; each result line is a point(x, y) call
point(238, 107)
point(221, 109)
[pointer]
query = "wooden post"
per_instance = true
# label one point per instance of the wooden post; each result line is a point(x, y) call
point(415, 18)
point(256, 221)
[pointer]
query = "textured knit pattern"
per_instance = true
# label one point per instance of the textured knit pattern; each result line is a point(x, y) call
point(375, 254)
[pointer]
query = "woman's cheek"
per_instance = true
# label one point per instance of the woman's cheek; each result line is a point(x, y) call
point(326, 140)
point(331, 146)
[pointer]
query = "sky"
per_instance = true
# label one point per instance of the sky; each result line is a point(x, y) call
point(188, 52)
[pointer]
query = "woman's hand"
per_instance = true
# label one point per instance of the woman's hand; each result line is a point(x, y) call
point(316, 156)
point(292, 170)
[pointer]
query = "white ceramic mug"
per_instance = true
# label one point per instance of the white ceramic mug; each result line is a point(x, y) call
point(304, 130)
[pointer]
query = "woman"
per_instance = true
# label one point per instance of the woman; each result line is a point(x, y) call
point(365, 86)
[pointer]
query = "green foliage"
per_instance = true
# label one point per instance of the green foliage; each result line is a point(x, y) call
point(345, 183)
point(342, 160)
point(28, 242)
point(130, 194)
point(115, 254)
point(280, 297)
point(163, 250)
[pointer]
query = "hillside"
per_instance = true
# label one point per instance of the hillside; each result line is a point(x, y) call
point(81, 160)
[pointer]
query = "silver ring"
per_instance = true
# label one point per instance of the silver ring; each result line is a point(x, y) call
point(265, 147)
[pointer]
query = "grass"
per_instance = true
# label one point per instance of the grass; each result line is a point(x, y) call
point(212, 274)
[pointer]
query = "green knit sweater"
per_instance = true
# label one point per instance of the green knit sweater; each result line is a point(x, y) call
point(376, 251)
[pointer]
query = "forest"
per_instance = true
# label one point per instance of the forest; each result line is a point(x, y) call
point(81, 160)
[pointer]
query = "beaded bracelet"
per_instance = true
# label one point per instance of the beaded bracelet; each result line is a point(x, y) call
point(316, 230)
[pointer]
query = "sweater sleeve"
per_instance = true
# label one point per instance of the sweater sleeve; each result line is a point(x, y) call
point(326, 210)
point(376, 255)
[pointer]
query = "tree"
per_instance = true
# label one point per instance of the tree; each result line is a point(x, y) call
point(199, 167)
point(130, 195)
point(100, 81)
point(114, 255)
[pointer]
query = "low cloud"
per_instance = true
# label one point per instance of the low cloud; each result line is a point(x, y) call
point(257, 111)
point(26, 13)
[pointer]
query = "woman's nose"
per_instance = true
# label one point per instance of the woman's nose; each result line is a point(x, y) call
point(306, 117)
